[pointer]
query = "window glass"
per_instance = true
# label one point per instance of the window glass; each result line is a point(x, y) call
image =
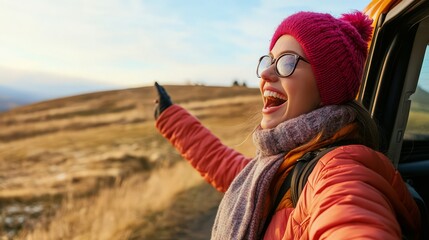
point(418, 120)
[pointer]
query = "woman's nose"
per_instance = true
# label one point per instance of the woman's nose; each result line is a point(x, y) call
point(269, 74)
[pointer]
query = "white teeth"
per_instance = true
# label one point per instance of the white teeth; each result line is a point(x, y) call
point(268, 93)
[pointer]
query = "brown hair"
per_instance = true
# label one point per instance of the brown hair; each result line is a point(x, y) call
point(368, 133)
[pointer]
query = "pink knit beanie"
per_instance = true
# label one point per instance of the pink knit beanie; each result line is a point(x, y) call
point(335, 48)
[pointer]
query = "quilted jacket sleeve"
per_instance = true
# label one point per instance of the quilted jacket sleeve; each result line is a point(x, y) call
point(217, 163)
point(355, 193)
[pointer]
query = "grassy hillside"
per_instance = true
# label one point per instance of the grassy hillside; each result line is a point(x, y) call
point(94, 167)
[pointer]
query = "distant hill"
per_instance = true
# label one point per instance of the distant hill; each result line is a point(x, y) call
point(11, 98)
point(72, 163)
point(420, 100)
point(421, 96)
point(20, 87)
point(102, 108)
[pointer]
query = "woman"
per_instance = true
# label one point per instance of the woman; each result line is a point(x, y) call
point(308, 82)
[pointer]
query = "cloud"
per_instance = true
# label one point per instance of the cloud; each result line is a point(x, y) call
point(133, 42)
point(84, 38)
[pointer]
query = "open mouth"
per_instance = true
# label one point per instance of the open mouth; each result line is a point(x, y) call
point(273, 99)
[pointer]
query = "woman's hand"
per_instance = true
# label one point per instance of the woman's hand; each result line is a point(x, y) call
point(163, 101)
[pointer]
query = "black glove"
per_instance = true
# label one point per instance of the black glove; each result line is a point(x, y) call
point(163, 101)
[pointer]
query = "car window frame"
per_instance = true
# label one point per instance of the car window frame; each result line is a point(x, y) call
point(385, 90)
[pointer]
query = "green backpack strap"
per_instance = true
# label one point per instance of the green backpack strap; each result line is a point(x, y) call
point(303, 168)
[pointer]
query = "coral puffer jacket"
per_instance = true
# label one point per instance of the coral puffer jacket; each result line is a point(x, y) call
point(353, 192)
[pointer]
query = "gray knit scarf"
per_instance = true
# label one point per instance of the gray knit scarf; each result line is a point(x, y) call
point(240, 211)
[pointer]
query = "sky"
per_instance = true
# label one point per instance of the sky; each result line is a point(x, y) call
point(56, 44)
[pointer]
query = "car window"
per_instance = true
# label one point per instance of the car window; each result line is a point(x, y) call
point(418, 120)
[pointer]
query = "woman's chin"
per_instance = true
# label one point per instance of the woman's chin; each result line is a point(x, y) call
point(273, 118)
point(268, 123)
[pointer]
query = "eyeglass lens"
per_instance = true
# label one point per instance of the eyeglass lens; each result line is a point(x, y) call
point(264, 63)
point(285, 64)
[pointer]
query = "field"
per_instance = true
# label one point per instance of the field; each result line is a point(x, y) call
point(93, 166)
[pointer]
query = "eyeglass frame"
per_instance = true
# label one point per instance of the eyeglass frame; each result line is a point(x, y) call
point(275, 61)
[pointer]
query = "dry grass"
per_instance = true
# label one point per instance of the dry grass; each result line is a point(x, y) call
point(94, 167)
point(115, 213)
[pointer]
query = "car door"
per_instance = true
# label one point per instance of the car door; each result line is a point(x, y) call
point(395, 86)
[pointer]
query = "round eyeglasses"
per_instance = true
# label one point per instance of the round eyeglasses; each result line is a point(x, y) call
point(285, 64)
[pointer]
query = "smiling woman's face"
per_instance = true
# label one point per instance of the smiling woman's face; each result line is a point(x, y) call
point(287, 97)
